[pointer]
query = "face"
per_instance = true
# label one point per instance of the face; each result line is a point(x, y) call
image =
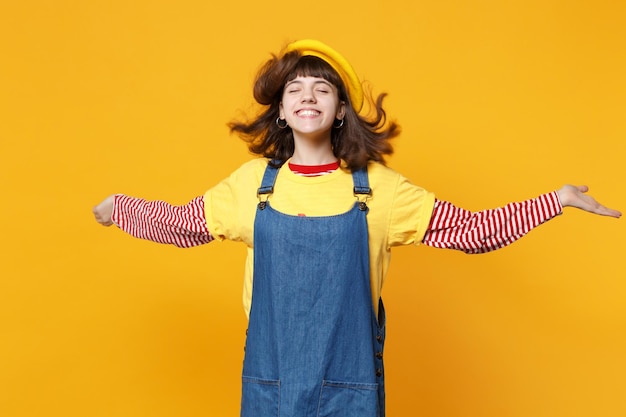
point(310, 105)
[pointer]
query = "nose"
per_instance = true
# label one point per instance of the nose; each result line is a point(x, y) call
point(308, 96)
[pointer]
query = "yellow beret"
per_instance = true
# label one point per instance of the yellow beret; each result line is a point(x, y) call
point(339, 64)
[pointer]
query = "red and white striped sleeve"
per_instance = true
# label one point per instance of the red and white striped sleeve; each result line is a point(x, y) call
point(182, 226)
point(485, 231)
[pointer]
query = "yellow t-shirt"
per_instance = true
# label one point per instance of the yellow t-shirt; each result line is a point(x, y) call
point(399, 212)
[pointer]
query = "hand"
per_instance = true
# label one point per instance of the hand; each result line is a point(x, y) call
point(574, 196)
point(104, 211)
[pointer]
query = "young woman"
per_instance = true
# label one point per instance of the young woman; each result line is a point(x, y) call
point(319, 212)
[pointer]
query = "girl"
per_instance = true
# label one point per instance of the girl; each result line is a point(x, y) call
point(319, 212)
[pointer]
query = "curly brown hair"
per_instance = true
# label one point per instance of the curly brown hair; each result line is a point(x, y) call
point(357, 142)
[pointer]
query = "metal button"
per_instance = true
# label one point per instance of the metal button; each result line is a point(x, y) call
point(379, 372)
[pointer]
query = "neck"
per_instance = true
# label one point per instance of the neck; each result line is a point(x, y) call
point(313, 153)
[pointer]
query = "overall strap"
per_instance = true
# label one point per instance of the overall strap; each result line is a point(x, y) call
point(362, 189)
point(267, 184)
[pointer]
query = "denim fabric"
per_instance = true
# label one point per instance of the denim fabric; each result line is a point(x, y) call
point(314, 346)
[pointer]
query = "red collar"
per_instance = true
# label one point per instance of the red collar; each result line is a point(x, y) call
point(313, 170)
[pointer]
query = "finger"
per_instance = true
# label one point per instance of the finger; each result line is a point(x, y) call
point(605, 211)
point(104, 223)
point(582, 188)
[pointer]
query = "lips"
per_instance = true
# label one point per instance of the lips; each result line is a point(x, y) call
point(307, 113)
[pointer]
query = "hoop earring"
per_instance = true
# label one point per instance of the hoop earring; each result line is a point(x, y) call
point(338, 126)
point(278, 120)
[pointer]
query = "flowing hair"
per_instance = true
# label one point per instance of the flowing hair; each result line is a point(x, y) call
point(357, 142)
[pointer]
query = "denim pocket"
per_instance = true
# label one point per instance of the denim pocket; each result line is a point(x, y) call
point(259, 397)
point(348, 399)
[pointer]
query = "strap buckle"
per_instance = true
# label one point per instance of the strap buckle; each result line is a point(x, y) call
point(362, 194)
point(263, 193)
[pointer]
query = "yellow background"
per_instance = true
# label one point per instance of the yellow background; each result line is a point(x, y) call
point(498, 100)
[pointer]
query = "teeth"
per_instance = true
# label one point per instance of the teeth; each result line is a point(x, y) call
point(307, 113)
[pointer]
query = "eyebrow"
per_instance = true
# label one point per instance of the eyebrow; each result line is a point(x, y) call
point(322, 81)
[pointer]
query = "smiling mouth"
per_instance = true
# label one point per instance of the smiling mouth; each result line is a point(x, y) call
point(307, 113)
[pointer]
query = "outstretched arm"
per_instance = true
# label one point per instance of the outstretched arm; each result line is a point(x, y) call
point(485, 231)
point(182, 226)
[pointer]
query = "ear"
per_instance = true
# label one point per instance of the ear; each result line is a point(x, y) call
point(281, 112)
point(341, 110)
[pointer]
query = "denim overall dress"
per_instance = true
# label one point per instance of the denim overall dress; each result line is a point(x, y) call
point(314, 345)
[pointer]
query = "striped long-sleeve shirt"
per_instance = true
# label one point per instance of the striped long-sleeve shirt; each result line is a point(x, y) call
point(450, 227)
